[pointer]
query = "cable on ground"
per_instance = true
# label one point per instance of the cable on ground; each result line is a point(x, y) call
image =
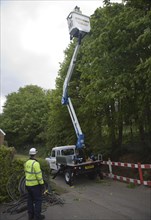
point(17, 191)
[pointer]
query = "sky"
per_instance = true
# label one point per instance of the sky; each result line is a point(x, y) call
point(34, 35)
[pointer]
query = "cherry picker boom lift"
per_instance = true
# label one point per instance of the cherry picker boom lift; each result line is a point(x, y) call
point(79, 26)
point(64, 158)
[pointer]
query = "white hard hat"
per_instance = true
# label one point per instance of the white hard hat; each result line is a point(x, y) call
point(33, 151)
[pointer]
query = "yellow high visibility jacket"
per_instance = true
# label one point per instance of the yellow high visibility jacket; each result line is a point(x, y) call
point(33, 173)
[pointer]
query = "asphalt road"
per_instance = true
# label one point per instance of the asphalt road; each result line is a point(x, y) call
point(97, 200)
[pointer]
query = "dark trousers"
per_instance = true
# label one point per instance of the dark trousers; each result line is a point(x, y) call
point(34, 202)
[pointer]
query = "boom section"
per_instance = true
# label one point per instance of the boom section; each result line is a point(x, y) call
point(79, 26)
point(67, 101)
point(69, 74)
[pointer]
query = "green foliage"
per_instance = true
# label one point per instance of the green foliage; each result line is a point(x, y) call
point(131, 185)
point(115, 91)
point(10, 165)
point(108, 71)
point(25, 116)
point(44, 166)
point(6, 158)
point(144, 5)
point(147, 175)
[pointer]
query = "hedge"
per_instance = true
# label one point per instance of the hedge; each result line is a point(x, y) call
point(9, 165)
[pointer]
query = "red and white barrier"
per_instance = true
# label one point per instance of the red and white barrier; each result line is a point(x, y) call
point(121, 178)
point(139, 166)
point(119, 164)
point(146, 166)
point(131, 165)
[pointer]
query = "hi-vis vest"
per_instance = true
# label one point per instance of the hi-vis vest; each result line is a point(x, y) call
point(33, 173)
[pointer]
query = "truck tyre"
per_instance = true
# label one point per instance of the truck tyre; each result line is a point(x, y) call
point(69, 177)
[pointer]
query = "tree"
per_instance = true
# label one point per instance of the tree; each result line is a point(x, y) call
point(25, 116)
point(144, 5)
point(112, 56)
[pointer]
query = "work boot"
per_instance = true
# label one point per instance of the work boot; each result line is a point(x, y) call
point(30, 217)
point(40, 218)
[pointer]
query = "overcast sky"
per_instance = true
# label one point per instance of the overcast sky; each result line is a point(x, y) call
point(34, 35)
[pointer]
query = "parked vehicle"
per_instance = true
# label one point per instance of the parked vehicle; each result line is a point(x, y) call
point(66, 160)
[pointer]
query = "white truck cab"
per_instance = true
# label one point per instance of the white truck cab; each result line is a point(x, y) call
point(60, 151)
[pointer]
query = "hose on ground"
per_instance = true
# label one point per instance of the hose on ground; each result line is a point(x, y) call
point(17, 191)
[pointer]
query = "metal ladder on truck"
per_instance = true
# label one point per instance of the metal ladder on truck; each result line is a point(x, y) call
point(79, 26)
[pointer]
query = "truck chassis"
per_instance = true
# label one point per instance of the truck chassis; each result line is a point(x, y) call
point(70, 170)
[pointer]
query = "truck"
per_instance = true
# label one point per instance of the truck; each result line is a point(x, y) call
point(71, 160)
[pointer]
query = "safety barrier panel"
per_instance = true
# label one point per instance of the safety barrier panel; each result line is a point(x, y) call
point(139, 166)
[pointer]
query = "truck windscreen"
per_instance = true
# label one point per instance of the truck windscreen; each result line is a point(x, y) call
point(67, 152)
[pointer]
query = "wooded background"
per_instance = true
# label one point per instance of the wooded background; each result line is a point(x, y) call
point(110, 90)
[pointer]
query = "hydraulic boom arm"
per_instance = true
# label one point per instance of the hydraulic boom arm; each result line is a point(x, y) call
point(79, 25)
point(67, 101)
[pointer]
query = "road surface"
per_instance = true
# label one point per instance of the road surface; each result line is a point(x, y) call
point(97, 200)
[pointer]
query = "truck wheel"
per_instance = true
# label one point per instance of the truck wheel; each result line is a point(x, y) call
point(69, 177)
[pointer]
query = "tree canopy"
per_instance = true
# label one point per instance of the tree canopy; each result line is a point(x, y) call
point(110, 88)
point(25, 116)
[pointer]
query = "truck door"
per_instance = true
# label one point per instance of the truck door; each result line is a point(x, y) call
point(53, 160)
point(54, 153)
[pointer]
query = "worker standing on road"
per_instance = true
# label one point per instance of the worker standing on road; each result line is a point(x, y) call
point(34, 185)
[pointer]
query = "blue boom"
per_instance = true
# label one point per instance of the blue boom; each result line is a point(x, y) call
point(78, 32)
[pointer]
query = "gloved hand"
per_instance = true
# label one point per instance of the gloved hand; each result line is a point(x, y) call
point(46, 192)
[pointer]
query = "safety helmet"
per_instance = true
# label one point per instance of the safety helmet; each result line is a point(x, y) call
point(33, 151)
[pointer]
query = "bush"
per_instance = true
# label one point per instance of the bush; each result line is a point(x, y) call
point(44, 166)
point(6, 158)
point(10, 166)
